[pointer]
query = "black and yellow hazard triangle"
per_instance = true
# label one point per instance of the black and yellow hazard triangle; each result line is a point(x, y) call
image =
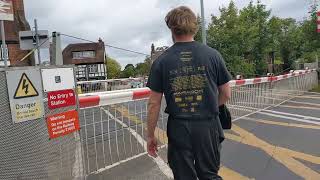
point(25, 88)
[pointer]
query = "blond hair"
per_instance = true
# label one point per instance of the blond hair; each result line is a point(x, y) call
point(182, 21)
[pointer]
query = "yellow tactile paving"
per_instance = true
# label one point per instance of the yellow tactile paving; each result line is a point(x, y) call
point(282, 155)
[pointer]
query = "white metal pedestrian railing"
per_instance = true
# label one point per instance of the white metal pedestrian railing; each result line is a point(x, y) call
point(113, 124)
point(109, 85)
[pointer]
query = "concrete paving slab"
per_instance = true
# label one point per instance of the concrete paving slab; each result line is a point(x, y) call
point(142, 168)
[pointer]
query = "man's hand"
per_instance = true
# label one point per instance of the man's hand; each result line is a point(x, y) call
point(152, 147)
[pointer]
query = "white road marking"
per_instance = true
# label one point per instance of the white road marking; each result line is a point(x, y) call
point(160, 162)
point(289, 118)
point(306, 103)
point(260, 110)
point(295, 115)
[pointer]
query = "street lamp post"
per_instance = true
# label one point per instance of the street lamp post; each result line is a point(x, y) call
point(204, 32)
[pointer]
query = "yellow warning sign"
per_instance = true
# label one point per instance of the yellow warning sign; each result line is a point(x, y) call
point(28, 111)
point(25, 88)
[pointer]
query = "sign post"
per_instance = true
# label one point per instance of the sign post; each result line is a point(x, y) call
point(6, 14)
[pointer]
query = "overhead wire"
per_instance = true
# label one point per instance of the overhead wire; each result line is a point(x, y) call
point(107, 45)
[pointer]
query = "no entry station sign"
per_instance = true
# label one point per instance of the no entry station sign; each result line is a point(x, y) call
point(62, 98)
point(63, 124)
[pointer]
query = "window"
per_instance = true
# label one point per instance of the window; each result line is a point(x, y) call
point(93, 68)
point(83, 54)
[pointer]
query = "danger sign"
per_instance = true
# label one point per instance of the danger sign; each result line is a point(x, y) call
point(28, 111)
point(25, 88)
point(63, 124)
point(63, 98)
point(25, 94)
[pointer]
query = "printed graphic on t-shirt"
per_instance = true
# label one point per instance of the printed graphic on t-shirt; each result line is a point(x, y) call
point(186, 56)
point(188, 83)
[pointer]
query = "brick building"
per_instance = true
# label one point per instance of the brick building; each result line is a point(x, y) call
point(89, 59)
point(12, 29)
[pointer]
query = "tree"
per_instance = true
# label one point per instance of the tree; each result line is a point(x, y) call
point(113, 68)
point(129, 65)
point(198, 36)
point(226, 34)
point(253, 20)
point(285, 40)
point(128, 72)
point(311, 39)
point(249, 37)
point(142, 69)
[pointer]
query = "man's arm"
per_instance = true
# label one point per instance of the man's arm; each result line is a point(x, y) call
point(154, 106)
point(224, 93)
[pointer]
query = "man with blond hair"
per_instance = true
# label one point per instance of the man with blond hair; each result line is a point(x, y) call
point(194, 80)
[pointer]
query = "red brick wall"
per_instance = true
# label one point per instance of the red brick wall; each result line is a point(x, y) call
point(15, 55)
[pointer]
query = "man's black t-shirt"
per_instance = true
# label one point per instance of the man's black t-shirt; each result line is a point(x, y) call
point(189, 75)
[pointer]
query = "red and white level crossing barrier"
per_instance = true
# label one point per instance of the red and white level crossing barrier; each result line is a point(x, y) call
point(102, 99)
point(318, 21)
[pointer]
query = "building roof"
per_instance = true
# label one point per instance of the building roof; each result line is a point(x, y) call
point(98, 47)
point(156, 52)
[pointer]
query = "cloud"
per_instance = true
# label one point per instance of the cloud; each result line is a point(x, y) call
point(128, 24)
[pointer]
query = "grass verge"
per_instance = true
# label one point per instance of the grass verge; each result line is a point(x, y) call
point(316, 89)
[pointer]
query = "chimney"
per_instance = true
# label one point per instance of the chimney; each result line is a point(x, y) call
point(152, 48)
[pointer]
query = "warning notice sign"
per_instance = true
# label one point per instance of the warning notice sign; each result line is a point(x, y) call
point(28, 111)
point(25, 94)
point(63, 98)
point(63, 124)
point(25, 88)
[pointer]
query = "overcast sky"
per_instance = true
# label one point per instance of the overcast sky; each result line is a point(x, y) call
point(131, 24)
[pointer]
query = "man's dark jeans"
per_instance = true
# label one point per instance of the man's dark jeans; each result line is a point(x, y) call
point(194, 148)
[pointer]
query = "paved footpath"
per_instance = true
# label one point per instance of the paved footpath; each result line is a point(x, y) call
point(279, 143)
